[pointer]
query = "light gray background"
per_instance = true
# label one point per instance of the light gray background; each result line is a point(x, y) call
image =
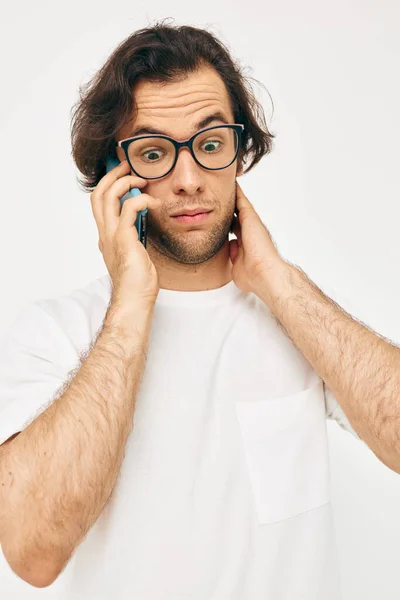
point(329, 192)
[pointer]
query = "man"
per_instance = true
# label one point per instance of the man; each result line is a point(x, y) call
point(187, 455)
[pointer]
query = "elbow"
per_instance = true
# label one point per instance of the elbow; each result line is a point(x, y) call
point(391, 462)
point(37, 574)
point(393, 466)
point(39, 578)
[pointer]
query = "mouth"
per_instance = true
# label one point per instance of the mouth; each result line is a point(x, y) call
point(192, 218)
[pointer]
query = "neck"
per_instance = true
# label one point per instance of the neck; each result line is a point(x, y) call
point(209, 275)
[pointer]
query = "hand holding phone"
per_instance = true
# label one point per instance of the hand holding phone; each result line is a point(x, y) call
point(141, 220)
point(133, 274)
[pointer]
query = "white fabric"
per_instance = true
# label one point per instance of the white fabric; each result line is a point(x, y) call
point(224, 491)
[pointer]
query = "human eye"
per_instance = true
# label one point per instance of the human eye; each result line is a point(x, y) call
point(152, 155)
point(211, 146)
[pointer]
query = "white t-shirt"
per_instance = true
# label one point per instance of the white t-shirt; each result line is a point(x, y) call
point(224, 491)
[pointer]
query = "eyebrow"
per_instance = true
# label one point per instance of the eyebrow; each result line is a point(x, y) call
point(218, 116)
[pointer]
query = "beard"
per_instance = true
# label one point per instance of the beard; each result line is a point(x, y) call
point(191, 247)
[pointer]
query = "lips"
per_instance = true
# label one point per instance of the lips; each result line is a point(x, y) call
point(191, 212)
point(192, 218)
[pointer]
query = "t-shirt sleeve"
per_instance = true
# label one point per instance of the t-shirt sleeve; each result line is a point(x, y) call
point(335, 412)
point(36, 357)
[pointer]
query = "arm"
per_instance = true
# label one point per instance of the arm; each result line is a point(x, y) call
point(361, 368)
point(57, 474)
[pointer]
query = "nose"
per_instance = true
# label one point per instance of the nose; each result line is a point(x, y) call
point(187, 175)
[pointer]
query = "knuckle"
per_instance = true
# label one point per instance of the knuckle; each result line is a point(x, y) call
point(129, 201)
point(134, 200)
point(106, 241)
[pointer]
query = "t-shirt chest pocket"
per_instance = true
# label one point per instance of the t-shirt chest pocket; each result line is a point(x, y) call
point(286, 450)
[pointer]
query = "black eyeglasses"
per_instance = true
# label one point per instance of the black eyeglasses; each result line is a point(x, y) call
point(154, 156)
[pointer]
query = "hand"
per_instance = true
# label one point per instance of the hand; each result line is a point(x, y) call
point(253, 254)
point(133, 274)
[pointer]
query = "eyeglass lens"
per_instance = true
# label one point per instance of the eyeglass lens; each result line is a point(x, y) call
point(154, 156)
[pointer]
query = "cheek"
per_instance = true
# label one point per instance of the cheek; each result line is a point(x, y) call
point(160, 216)
point(156, 191)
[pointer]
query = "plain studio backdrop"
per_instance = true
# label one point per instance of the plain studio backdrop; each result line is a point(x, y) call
point(329, 192)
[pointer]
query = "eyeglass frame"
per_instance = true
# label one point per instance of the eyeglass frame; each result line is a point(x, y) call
point(124, 144)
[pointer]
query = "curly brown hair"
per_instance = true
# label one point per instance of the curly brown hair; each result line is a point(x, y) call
point(160, 53)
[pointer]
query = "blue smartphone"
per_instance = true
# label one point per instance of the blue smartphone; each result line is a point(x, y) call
point(142, 216)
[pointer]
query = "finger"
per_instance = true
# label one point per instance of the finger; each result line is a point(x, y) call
point(112, 198)
point(97, 210)
point(130, 211)
point(233, 250)
point(96, 197)
point(236, 230)
point(242, 201)
point(108, 179)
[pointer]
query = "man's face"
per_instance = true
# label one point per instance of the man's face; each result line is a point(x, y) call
point(175, 109)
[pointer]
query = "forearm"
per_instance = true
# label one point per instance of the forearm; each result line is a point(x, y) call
point(361, 368)
point(59, 472)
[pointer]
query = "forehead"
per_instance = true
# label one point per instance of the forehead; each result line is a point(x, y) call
point(174, 108)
